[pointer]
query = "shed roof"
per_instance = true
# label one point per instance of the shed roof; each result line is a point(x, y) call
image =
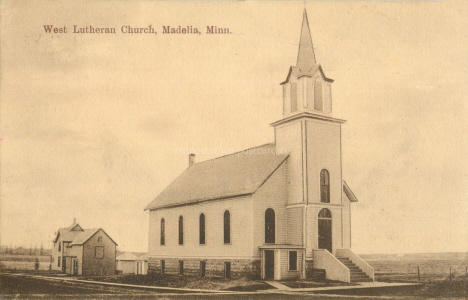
point(238, 174)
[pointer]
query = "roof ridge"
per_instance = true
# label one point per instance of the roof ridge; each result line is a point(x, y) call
point(237, 152)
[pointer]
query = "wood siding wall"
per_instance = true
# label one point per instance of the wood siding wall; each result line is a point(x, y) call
point(98, 266)
point(241, 230)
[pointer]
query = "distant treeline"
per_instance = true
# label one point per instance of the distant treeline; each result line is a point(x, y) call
point(6, 250)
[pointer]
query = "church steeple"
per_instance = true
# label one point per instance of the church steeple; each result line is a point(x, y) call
point(306, 55)
point(306, 89)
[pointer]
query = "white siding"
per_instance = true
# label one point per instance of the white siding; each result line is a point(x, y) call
point(323, 152)
point(272, 194)
point(241, 227)
point(289, 138)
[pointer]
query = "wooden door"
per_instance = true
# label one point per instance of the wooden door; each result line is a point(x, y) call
point(325, 234)
point(269, 264)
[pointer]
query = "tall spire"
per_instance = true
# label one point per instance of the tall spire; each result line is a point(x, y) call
point(306, 55)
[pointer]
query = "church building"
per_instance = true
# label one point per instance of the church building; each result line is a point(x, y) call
point(276, 211)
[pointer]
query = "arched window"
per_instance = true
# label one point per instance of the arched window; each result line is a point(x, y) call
point(202, 229)
point(318, 98)
point(269, 226)
point(227, 227)
point(324, 213)
point(163, 232)
point(324, 186)
point(181, 230)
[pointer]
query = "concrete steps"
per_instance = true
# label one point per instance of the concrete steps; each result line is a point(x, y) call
point(357, 275)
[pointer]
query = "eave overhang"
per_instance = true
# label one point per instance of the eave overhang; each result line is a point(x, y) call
point(307, 115)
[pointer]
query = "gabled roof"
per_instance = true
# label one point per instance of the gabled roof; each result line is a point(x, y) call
point(349, 193)
point(69, 233)
point(87, 234)
point(132, 256)
point(76, 235)
point(126, 256)
point(238, 174)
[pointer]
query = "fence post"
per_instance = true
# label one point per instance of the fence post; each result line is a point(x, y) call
point(419, 275)
point(450, 273)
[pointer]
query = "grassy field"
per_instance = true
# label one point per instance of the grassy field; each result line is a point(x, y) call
point(434, 274)
point(432, 267)
point(23, 262)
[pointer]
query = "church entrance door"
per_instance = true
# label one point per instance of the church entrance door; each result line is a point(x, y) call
point(269, 264)
point(325, 230)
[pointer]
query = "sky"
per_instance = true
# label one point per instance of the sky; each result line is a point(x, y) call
point(95, 126)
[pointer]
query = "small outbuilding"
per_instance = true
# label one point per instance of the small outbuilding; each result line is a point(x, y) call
point(132, 263)
point(79, 251)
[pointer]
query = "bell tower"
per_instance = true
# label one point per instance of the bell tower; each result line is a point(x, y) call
point(306, 87)
point(307, 131)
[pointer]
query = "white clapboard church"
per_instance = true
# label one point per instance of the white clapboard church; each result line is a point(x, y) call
point(276, 211)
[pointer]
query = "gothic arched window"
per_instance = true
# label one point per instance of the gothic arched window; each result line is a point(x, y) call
point(269, 226)
point(227, 227)
point(181, 230)
point(163, 232)
point(202, 229)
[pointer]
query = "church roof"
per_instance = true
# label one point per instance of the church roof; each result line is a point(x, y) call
point(238, 174)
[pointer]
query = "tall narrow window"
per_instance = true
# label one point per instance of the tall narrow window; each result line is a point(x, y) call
point(318, 98)
point(324, 186)
point(163, 232)
point(293, 96)
point(181, 230)
point(269, 226)
point(202, 229)
point(227, 227)
point(60, 246)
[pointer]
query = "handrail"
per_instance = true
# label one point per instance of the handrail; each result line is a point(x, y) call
point(364, 266)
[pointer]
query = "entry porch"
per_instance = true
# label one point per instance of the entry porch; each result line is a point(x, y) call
point(280, 262)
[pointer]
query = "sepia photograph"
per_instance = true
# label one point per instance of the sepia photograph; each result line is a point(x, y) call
point(234, 149)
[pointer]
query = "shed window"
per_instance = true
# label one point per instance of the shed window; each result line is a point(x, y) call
point(227, 227)
point(99, 252)
point(163, 232)
point(292, 260)
point(99, 239)
point(324, 186)
point(181, 230)
point(202, 229)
